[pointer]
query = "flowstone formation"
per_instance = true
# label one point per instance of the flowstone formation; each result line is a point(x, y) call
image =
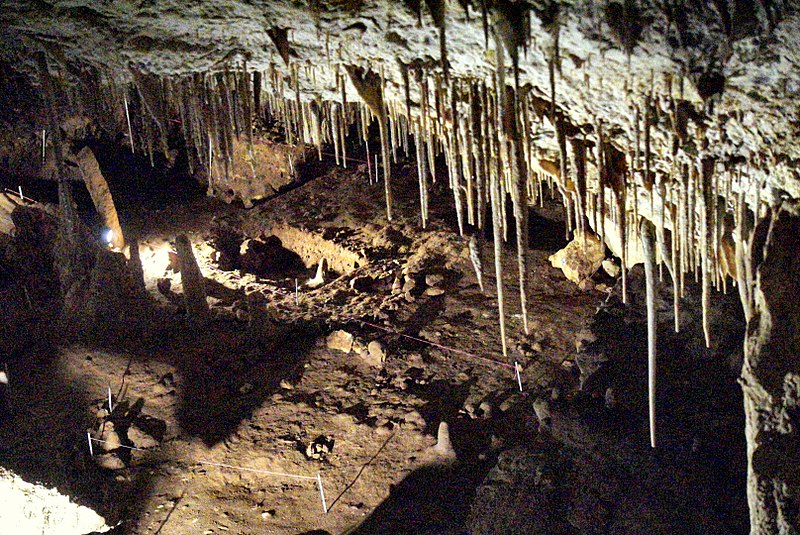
point(667, 129)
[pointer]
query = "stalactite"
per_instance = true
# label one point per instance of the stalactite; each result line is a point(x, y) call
point(151, 98)
point(685, 244)
point(257, 104)
point(438, 10)
point(675, 268)
point(478, 125)
point(601, 180)
point(247, 111)
point(520, 194)
point(648, 248)
point(130, 130)
point(707, 176)
point(422, 173)
point(454, 167)
point(616, 170)
point(637, 155)
point(148, 140)
point(648, 174)
point(343, 124)
point(299, 124)
point(740, 247)
point(333, 122)
point(369, 87)
point(579, 152)
point(563, 174)
point(494, 192)
point(392, 126)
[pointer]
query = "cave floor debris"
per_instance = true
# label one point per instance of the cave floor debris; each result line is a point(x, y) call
point(397, 339)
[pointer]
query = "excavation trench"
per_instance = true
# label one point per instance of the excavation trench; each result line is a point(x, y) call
point(283, 252)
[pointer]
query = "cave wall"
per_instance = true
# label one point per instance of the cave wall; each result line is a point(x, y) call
point(771, 382)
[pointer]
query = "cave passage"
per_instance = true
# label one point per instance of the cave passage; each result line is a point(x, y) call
point(461, 267)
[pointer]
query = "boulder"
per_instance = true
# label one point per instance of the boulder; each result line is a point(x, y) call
point(581, 258)
point(340, 341)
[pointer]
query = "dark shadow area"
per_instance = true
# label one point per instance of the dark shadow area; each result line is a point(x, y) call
point(43, 429)
point(136, 184)
point(701, 454)
point(545, 233)
point(225, 376)
point(431, 500)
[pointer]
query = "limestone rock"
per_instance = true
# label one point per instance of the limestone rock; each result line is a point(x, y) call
point(397, 286)
point(409, 284)
point(433, 279)
point(433, 291)
point(141, 439)
point(542, 409)
point(109, 437)
point(611, 268)
point(580, 259)
point(376, 354)
point(109, 461)
point(340, 341)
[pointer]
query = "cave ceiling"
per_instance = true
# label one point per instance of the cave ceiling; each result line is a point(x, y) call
point(609, 55)
point(714, 80)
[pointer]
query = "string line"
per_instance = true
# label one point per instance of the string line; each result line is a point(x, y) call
point(310, 478)
point(410, 337)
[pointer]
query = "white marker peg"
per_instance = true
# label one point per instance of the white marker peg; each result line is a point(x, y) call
point(89, 438)
point(110, 407)
point(517, 375)
point(322, 493)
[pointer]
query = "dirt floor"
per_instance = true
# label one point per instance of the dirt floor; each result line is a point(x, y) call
point(366, 364)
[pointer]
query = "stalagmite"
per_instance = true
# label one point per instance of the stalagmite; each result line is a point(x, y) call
point(648, 247)
point(89, 170)
point(442, 452)
point(194, 292)
point(68, 214)
point(135, 266)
